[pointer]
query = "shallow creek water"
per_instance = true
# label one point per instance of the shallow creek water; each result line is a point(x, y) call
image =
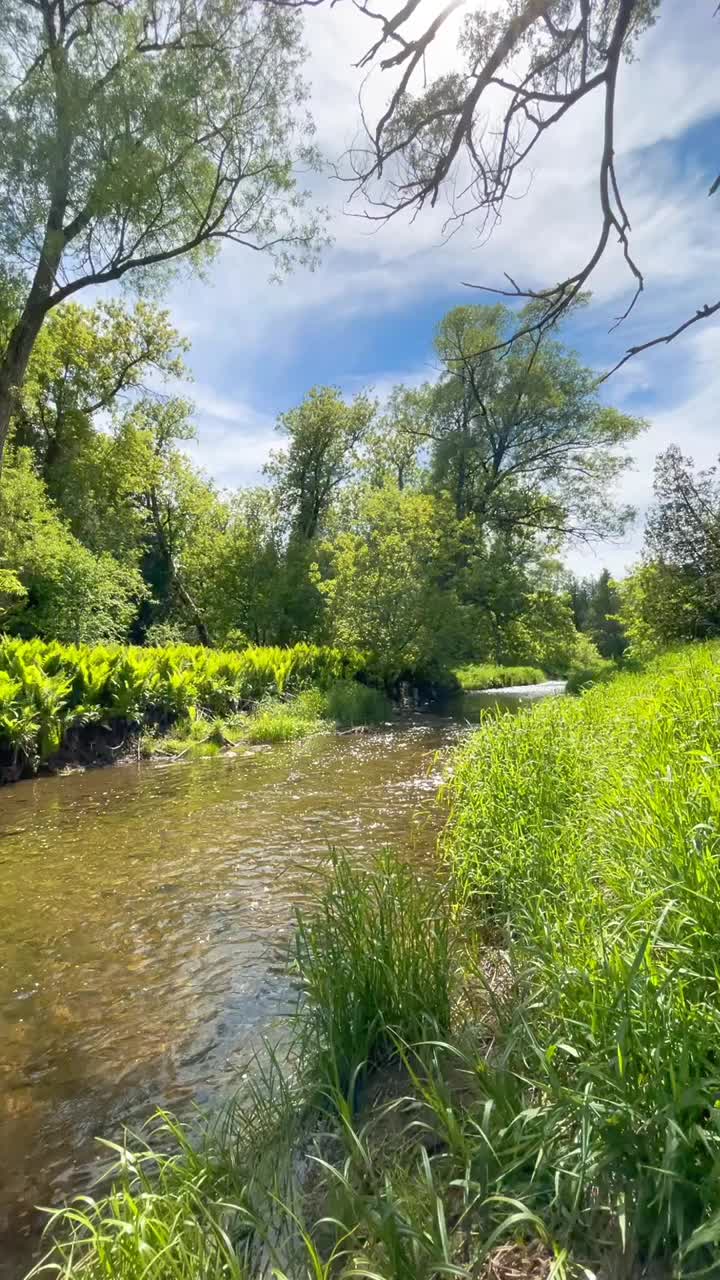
point(145, 912)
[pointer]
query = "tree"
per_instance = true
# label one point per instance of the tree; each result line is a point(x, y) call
point(324, 434)
point(68, 593)
point(470, 133)
point(385, 576)
point(175, 499)
point(138, 133)
point(88, 361)
point(674, 594)
point(393, 443)
point(236, 567)
point(604, 625)
point(519, 436)
point(683, 525)
point(661, 605)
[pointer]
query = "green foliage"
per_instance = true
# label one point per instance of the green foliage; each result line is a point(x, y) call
point(12, 592)
point(519, 434)
point(344, 703)
point(674, 594)
point(137, 136)
point(489, 675)
point(544, 635)
point(167, 1212)
point(324, 436)
point(69, 594)
point(588, 828)
point(373, 962)
point(596, 605)
point(660, 605)
point(382, 578)
point(51, 688)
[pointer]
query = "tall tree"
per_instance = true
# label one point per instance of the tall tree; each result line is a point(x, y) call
point(136, 133)
point(387, 581)
point(393, 444)
point(324, 436)
point(674, 594)
point(604, 625)
point(683, 524)
point(519, 437)
point(175, 500)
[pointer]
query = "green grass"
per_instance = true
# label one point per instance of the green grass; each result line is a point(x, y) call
point(489, 675)
point(373, 961)
point(344, 704)
point(587, 833)
point(522, 1068)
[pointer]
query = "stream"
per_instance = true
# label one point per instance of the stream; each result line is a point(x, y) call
point(145, 914)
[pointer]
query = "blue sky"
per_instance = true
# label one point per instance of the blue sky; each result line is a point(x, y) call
point(365, 317)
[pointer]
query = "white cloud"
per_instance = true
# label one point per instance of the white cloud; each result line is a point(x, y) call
point(240, 320)
point(691, 422)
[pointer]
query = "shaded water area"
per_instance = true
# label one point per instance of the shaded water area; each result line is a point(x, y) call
point(145, 915)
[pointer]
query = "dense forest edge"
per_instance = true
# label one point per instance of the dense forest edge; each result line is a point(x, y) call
point(512, 1067)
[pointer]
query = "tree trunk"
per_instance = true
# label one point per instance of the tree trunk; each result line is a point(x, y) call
point(197, 618)
point(15, 358)
point(14, 363)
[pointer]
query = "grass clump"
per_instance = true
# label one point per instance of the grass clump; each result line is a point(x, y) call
point(275, 721)
point(350, 704)
point(373, 962)
point(490, 675)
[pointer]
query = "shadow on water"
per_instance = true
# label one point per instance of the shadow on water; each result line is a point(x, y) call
point(145, 913)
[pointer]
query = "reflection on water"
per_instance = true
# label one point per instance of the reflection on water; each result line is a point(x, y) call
point(141, 937)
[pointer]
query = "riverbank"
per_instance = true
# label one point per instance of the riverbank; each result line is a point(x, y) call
point(63, 704)
point(515, 1076)
point(476, 677)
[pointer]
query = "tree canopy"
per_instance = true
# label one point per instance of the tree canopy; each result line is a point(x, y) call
point(137, 135)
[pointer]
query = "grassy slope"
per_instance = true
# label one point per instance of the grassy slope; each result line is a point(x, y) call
point(566, 1116)
point(489, 675)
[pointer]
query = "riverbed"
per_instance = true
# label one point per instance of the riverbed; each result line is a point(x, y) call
point(146, 912)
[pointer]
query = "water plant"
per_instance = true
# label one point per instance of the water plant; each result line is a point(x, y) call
point(49, 689)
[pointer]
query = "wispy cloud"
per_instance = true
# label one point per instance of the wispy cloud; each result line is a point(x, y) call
point(257, 347)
